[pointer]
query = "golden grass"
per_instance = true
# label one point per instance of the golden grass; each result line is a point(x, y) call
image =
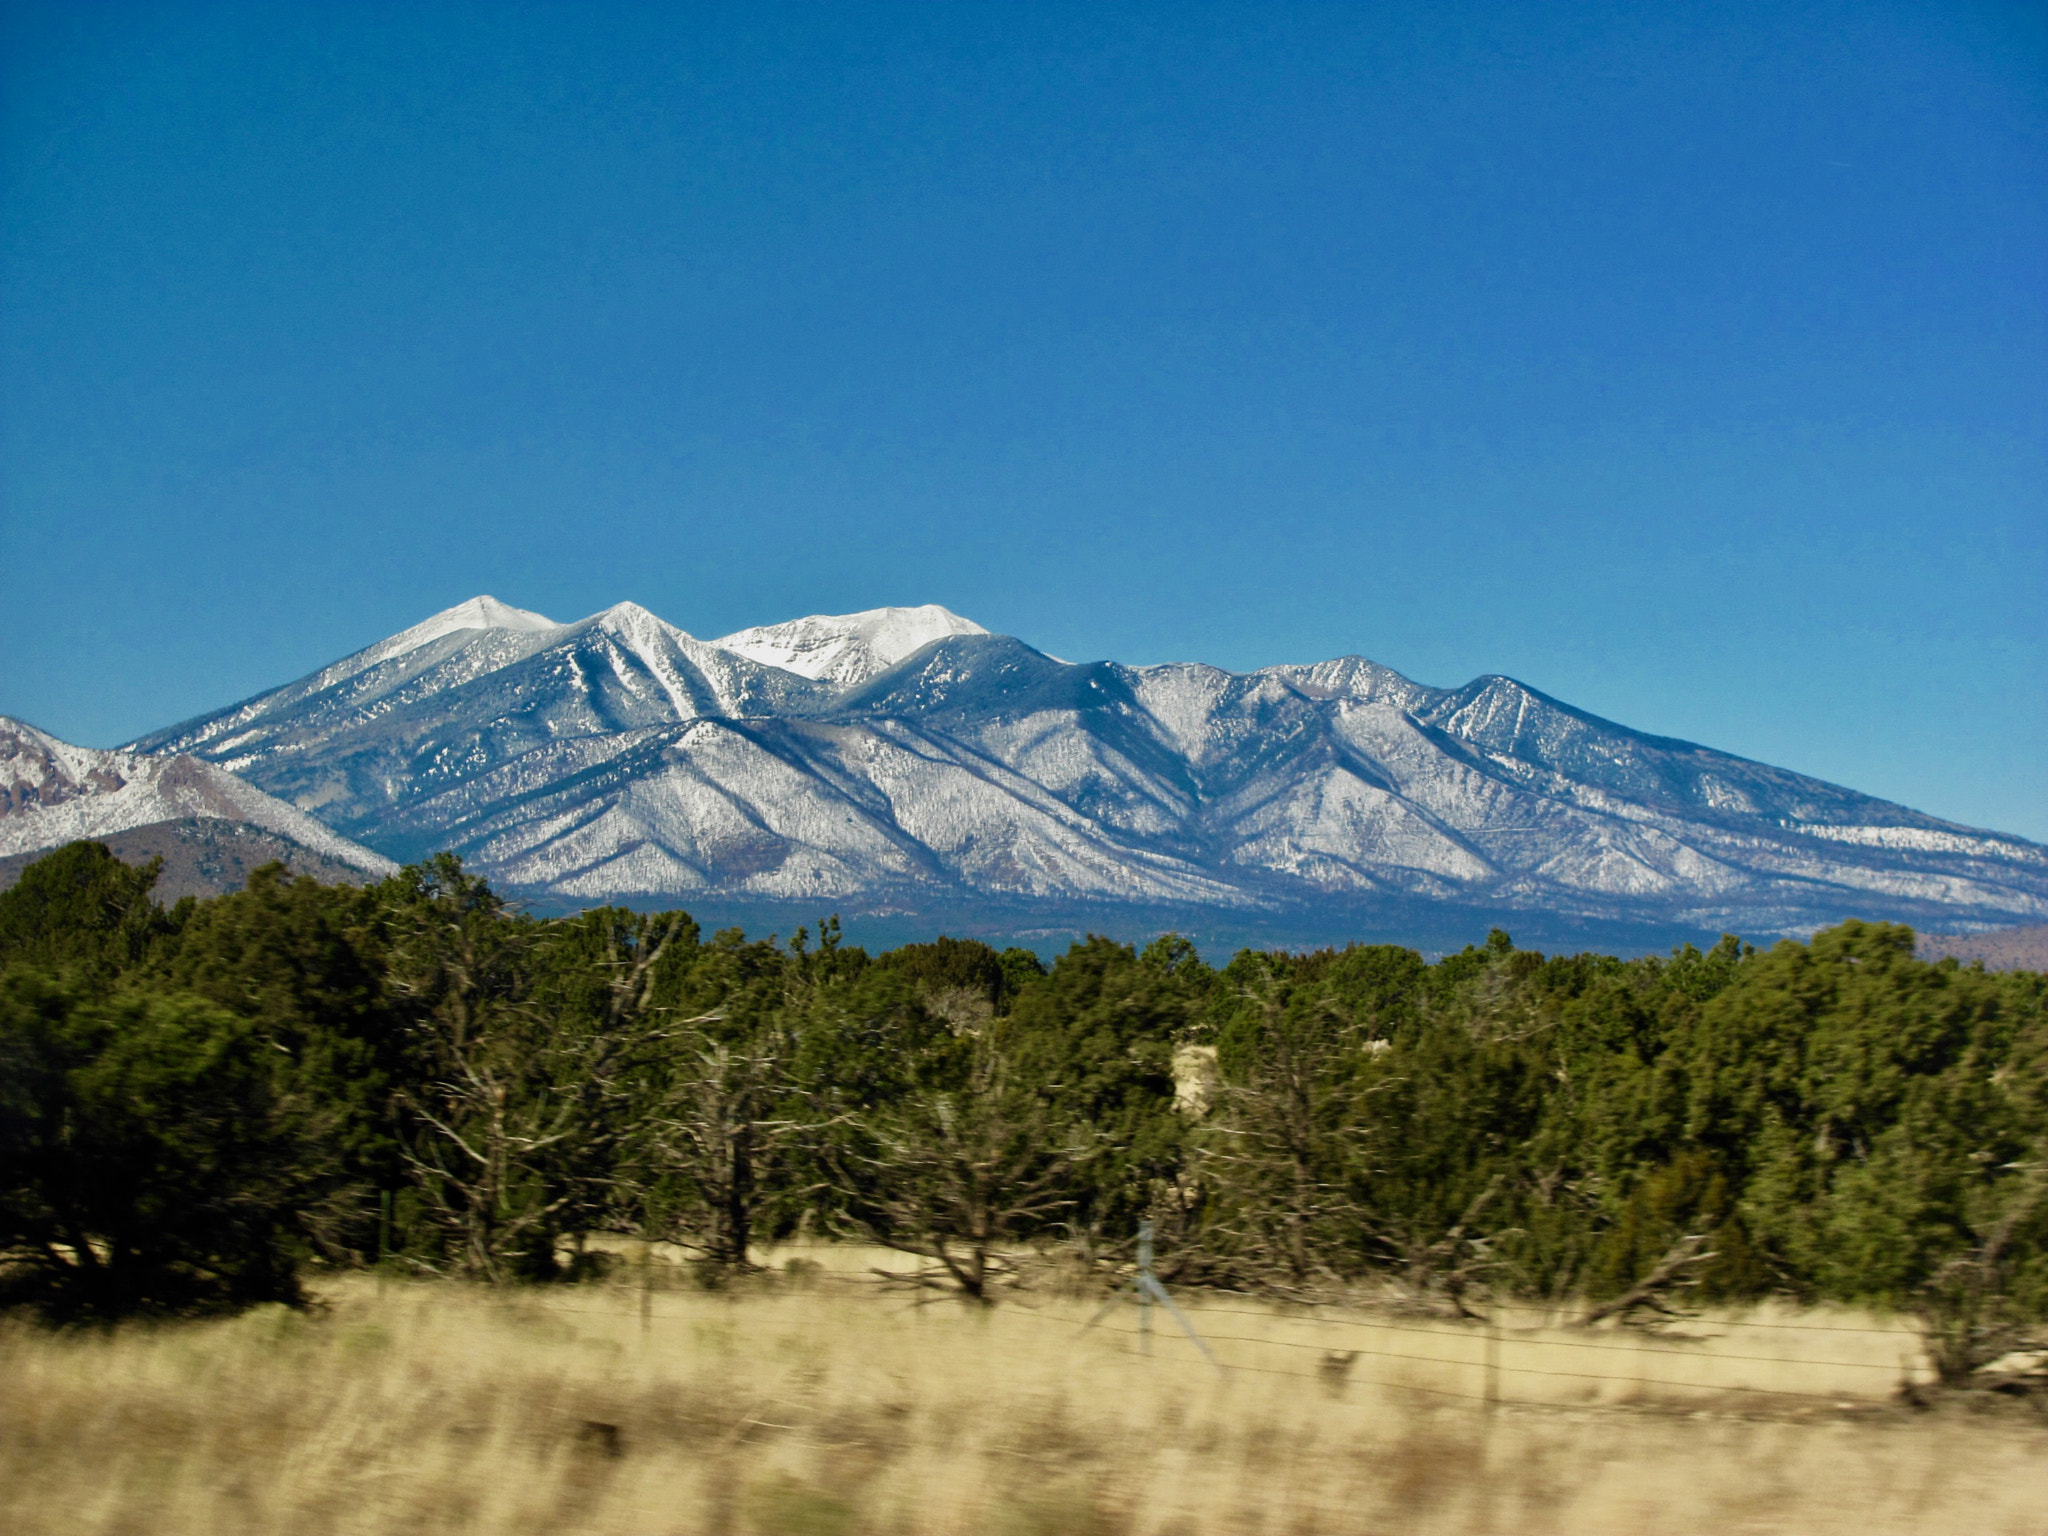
point(785, 1411)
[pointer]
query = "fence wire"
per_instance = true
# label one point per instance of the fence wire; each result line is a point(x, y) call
point(1500, 1368)
point(1488, 1361)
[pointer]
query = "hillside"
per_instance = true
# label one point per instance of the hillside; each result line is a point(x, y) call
point(2002, 949)
point(210, 826)
point(205, 856)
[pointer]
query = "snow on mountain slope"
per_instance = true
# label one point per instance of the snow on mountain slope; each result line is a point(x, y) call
point(411, 725)
point(53, 793)
point(1335, 830)
point(790, 809)
point(1557, 749)
point(906, 755)
point(699, 677)
point(467, 640)
point(848, 649)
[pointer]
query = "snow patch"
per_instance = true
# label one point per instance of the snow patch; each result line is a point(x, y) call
point(847, 649)
point(1922, 840)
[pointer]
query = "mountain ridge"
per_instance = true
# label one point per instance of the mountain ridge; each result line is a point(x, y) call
point(621, 757)
point(53, 792)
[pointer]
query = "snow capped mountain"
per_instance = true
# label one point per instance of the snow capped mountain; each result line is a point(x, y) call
point(52, 793)
point(904, 757)
point(848, 649)
point(356, 741)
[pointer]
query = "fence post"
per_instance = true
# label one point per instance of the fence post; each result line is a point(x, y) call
point(1492, 1358)
point(1145, 1291)
point(646, 1288)
point(1145, 1284)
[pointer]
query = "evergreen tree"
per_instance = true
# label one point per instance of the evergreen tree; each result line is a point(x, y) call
point(142, 1169)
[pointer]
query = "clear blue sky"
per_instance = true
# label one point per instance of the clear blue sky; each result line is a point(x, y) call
point(1689, 363)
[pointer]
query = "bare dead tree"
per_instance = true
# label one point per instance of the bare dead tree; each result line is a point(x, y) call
point(511, 1135)
point(1279, 1152)
point(479, 1135)
point(1287, 1158)
point(1441, 1272)
point(715, 1137)
point(1966, 1316)
point(1674, 1269)
point(959, 1176)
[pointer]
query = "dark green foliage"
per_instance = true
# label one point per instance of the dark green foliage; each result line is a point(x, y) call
point(1691, 1194)
point(305, 965)
point(1883, 1115)
point(863, 1048)
point(1020, 968)
point(1094, 1041)
point(974, 1159)
point(526, 1049)
point(141, 1167)
point(82, 911)
point(1828, 1119)
point(951, 965)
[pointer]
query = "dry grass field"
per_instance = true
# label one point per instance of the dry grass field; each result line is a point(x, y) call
point(831, 1406)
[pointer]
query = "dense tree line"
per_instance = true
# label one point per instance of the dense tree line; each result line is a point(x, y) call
point(198, 1103)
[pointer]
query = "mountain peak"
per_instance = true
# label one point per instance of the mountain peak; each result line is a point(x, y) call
point(848, 649)
point(477, 613)
point(480, 612)
point(631, 619)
